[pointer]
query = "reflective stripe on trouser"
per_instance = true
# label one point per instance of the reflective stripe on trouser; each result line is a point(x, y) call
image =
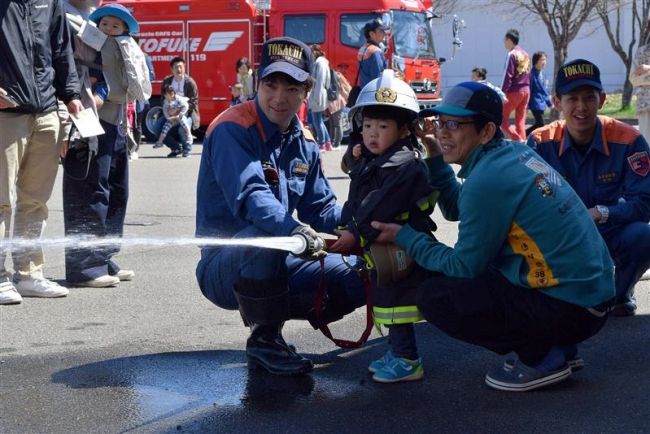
point(29, 161)
point(396, 315)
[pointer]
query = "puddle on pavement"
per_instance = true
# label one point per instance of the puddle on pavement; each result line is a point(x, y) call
point(152, 388)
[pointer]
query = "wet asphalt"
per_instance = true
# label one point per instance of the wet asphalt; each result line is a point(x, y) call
point(153, 355)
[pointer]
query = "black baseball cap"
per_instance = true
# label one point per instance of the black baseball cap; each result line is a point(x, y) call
point(286, 55)
point(374, 24)
point(579, 72)
point(469, 98)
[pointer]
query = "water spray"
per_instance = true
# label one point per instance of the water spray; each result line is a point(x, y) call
point(294, 244)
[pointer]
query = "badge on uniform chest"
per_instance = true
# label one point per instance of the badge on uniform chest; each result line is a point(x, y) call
point(607, 177)
point(300, 169)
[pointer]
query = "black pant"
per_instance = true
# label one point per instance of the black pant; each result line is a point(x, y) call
point(491, 312)
point(96, 205)
point(539, 121)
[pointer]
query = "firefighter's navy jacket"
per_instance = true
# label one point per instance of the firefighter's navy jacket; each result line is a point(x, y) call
point(614, 172)
point(36, 54)
point(372, 62)
point(252, 174)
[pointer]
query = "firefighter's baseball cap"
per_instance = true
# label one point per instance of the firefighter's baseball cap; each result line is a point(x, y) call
point(579, 72)
point(286, 55)
point(116, 10)
point(469, 98)
point(374, 24)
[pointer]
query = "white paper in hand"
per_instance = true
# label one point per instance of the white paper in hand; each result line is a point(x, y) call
point(92, 36)
point(87, 123)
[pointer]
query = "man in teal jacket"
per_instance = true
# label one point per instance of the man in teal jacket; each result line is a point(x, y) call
point(529, 272)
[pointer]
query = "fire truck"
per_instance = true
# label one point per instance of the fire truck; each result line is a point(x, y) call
point(212, 34)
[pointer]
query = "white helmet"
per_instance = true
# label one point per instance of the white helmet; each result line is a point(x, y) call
point(386, 90)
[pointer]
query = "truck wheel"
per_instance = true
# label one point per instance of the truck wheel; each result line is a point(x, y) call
point(151, 115)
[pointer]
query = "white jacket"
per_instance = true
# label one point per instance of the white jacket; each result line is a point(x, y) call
point(321, 75)
point(137, 72)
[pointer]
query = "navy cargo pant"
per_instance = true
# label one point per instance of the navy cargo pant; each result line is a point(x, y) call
point(96, 205)
point(629, 247)
point(221, 268)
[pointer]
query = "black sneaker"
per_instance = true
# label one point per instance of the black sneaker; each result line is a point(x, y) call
point(174, 154)
point(522, 378)
point(624, 309)
point(186, 154)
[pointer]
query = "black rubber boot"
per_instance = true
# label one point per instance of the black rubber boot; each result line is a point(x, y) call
point(267, 349)
point(264, 306)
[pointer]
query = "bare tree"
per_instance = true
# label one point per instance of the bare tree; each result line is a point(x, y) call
point(563, 20)
point(610, 12)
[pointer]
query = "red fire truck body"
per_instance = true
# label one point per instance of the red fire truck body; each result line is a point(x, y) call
point(213, 34)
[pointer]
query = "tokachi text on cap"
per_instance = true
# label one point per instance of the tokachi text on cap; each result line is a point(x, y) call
point(577, 73)
point(286, 55)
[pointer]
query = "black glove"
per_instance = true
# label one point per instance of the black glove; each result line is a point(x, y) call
point(314, 244)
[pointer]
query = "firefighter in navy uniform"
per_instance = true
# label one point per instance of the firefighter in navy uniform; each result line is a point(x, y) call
point(370, 56)
point(258, 166)
point(607, 162)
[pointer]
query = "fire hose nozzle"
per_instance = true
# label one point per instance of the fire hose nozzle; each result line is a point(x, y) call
point(308, 245)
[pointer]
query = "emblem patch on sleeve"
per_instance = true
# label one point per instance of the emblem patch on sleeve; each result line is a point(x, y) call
point(543, 185)
point(639, 163)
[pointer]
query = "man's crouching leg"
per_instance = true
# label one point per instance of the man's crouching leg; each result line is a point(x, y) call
point(334, 306)
point(264, 306)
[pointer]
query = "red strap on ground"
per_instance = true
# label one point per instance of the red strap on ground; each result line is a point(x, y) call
point(320, 297)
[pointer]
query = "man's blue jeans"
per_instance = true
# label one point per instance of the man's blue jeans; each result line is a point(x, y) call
point(176, 139)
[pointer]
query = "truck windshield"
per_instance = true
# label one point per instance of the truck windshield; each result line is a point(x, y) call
point(412, 35)
point(352, 28)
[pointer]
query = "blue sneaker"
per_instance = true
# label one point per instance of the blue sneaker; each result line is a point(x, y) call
point(381, 362)
point(522, 378)
point(398, 369)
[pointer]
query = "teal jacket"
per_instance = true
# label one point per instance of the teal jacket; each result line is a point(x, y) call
point(518, 216)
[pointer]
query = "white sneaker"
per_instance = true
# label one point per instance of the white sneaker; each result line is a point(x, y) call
point(40, 288)
point(133, 156)
point(8, 294)
point(99, 282)
point(646, 275)
point(124, 275)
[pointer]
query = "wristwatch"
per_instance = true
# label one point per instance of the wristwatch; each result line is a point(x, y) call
point(604, 213)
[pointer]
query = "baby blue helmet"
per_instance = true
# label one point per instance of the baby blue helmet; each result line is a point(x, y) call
point(387, 90)
point(116, 10)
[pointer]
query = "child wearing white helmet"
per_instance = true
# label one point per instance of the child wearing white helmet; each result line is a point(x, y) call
point(389, 184)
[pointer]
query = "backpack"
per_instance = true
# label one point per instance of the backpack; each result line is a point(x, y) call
point(333, 88)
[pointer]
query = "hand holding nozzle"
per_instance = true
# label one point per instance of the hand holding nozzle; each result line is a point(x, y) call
point(312, 243)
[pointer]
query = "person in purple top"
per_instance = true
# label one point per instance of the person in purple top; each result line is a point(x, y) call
point(516, 82)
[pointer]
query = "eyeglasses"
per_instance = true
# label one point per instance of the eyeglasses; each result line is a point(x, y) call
point(450, 125)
